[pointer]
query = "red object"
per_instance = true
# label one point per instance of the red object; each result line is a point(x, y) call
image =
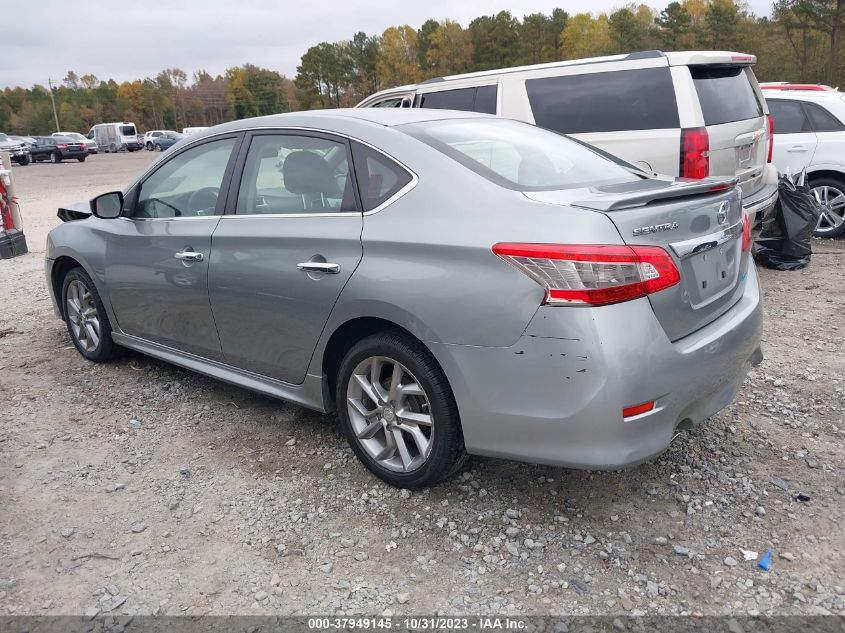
point(742, 58)
point(746, 232)
point(813, 87)
point(695, 145)
point(637, 409)
point(770, 123)
point(6, 222)
point(595, 268)
point(62, 146)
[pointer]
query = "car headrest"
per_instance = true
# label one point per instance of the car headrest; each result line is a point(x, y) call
point(306, 173)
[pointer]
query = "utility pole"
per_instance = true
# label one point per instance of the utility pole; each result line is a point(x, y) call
point(53, 100)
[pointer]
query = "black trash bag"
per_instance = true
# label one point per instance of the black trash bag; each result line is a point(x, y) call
point(784, 242)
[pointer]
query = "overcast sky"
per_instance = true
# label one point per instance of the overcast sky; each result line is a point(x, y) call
point(135, 38)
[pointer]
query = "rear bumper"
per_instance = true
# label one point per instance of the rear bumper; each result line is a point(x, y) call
point(556, 396)
point(761, 202)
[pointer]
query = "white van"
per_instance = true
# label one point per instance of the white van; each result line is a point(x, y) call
point(690, 114)
point(115, 137)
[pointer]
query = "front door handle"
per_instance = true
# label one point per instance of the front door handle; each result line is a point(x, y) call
point(189, 256)
point(319, 267)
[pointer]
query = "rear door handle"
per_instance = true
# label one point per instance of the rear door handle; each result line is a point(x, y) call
point(189, 256)
point(797, 148)
point(319, 267)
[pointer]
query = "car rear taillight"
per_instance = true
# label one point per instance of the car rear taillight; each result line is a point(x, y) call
point(695, 147)
point(770, 123)
point(746, 232)
point(592, 274)
point(61, 146)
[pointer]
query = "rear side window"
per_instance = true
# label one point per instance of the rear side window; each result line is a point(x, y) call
point(788, 117)
point(379, 178)
point(128, 130)
point(481, 99)
point(725, 94)
point(823, 121)
point(642, 99)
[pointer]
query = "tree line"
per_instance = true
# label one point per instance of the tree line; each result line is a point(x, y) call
point(799, 42)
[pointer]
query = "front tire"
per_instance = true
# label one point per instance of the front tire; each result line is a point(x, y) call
point(81, 159)
point(86, 317)
point(397, 411)
point(830, 194)
point(149, 146)
point(55, 158)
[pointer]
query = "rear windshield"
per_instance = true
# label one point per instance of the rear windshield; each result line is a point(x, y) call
point(725, 94)
point(520, 156)
point(128, 130)
point(642, 99)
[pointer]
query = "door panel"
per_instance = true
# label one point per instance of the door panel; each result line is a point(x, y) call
point(295, 210)
point(157, 258)
point(795, 142)
point(155, 295)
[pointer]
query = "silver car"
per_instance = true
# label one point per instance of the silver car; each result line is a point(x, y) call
point(449, 283)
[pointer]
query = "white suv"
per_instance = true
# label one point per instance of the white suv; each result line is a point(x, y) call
point(150, 138)
point(810, 132)
point(691, 114)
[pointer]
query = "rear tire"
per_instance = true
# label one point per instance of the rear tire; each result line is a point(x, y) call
point(81, 159)
point(86, 317)
point(825, 190)
point(407, 431)
point(149, 146)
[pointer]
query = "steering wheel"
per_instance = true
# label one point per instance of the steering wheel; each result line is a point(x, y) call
point(203, 201)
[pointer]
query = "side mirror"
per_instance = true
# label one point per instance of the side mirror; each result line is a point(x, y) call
point(107, 205)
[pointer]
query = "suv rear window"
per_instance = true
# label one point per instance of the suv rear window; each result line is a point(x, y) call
point(520, 156)
point(725, 94)
point(642, 99)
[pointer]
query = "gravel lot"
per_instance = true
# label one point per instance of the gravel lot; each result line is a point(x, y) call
point(136, 487)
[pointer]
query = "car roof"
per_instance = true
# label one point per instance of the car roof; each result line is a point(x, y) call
point(805, 95)
point(387, 117)
point(673, 58)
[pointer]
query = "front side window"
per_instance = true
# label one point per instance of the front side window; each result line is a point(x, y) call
point(188, 185)
point(379, 178)
point(641, 99)
point(788, 117)
point(292, 174)
point(521, 156)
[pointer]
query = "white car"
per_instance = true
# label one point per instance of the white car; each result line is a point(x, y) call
point(691, 114)
point(150, 138)
point(89, 143)
point(810, 132)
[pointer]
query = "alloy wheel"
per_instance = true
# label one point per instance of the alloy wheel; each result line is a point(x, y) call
point(832, 201)
point(390, 414)
point(82, 315)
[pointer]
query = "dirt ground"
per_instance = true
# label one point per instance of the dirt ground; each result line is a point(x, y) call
point(137, 487)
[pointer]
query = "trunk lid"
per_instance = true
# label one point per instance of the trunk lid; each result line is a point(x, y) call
point(698, 222)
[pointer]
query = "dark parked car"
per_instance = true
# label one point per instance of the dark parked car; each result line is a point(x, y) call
point(58, 148)
point(167, 140)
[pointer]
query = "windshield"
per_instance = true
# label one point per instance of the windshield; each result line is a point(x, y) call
point(3, 137)
point(521, 156)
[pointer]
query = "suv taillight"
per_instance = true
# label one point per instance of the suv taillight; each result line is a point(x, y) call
point(592, 274)
point(770, 123)
point(695, 146)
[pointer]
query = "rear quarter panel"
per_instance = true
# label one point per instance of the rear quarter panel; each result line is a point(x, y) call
point(427, 262)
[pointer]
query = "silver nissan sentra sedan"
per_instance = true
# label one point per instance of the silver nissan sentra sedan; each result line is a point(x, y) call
point(448, 282)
